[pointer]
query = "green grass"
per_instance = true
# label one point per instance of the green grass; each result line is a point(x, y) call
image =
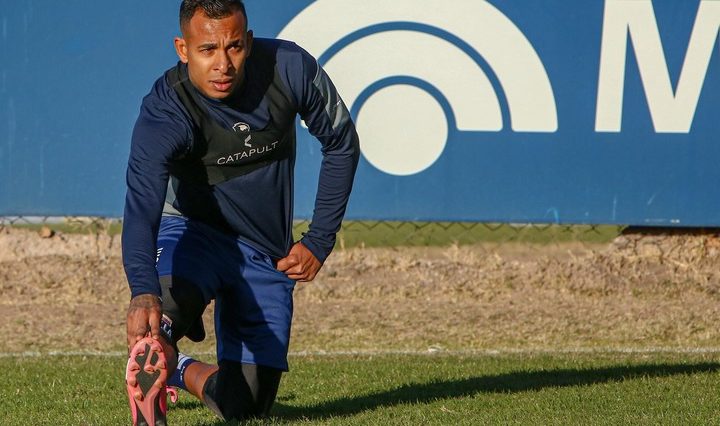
point(401, 390)
point(392, 234)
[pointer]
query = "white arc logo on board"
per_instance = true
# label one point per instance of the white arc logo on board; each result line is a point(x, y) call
point(403, 127)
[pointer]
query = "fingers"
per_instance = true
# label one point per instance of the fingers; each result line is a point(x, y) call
point(292, 266)
point(136, 329)
point(288, 262)
point(303, 278)
point(302, 272)
point(143, 316)
point(300, 264)
point(154, 321)
point(137, 322)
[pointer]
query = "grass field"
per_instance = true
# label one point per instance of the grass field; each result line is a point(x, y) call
point(536, 302)
point(584, 388)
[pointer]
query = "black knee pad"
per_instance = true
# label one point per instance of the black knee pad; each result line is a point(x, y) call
point(184, 304)
point(241, 391)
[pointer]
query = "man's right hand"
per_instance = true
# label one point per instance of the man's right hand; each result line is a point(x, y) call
point(143, 317)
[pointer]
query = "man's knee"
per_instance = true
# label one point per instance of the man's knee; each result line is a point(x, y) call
point(242, 391)
point(183, 305)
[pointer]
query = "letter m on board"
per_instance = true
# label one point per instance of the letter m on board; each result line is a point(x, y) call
point(672, 111)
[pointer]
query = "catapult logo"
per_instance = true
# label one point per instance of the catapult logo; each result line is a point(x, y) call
point(413, 71)
point(241, 127)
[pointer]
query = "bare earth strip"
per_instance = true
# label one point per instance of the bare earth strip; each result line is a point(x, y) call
point(69, 293)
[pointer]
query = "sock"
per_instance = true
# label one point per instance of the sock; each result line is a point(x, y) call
point(178, 378)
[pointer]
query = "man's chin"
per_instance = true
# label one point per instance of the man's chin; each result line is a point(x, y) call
point(219, 95)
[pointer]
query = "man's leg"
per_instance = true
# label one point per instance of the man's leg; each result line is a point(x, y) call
point(234, 390)
point(253, 315)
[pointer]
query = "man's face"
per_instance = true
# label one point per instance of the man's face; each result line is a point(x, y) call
point(215, 51)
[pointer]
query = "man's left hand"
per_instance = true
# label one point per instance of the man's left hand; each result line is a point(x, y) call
point(300, 264)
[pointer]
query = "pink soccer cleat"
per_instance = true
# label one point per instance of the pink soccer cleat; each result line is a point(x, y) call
point(172, 393)
point(146, 376)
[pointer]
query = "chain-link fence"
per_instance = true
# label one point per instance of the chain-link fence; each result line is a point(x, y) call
point(396, 233)
point(373, 233)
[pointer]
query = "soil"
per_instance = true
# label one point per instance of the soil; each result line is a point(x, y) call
point(68, 292)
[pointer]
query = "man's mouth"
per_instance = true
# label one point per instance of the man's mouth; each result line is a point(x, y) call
point(222, 85)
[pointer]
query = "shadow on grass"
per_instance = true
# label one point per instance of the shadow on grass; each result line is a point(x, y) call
point(187, 405)
point(503, 383)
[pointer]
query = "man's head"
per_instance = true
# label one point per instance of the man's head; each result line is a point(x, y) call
point(215, 44)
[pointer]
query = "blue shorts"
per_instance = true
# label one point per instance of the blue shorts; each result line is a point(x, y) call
point(253, 300)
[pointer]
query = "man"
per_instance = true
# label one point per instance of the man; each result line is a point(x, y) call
point(208, 212)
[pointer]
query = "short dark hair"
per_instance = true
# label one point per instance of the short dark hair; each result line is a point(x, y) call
point(214, 9)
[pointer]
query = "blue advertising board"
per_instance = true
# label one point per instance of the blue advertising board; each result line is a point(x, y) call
point(601, 111)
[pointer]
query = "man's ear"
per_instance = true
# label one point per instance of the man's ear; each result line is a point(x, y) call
point(181, 49)
point(249, 41)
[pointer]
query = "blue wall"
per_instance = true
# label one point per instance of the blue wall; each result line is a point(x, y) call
point(72, 75)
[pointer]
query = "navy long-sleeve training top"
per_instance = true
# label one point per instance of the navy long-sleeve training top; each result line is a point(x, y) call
point(256, 207)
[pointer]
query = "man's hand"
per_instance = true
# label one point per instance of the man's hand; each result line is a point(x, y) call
point(143, 316)
point(300, 264)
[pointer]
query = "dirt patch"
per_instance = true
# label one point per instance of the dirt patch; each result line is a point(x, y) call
point(69, 292)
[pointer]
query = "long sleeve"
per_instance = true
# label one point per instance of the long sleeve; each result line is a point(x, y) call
point(329, 121)
point(159, 135)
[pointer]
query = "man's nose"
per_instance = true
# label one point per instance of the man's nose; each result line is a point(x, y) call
point(223, 63)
